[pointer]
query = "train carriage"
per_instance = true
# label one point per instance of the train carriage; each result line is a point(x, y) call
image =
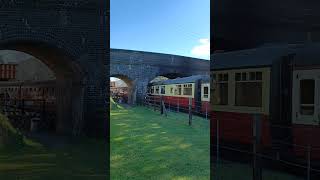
point(176, 92)
point(279, 82)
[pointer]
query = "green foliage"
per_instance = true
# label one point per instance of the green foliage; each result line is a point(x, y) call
point(9, 136)
point(114, 105)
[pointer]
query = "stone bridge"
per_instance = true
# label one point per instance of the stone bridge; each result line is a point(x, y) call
point(70, 37)
point(138, 68)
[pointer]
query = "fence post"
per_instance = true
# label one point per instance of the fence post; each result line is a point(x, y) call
point(206, 111)
point(309, 163)
point(190, 111)
point(257, 175)
point(178, 106)
point(161, 105)
point(217, 139)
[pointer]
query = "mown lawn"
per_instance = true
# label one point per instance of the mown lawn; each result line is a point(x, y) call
point(146, 145)
point(228, 170)
point(85, 159)
point(60, 158)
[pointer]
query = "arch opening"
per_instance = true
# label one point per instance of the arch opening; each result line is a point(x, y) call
point(47, 83)
point(122, 89)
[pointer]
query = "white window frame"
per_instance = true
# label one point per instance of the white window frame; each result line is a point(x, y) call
point(297, 117)
point(231, 107)
point(203, 98)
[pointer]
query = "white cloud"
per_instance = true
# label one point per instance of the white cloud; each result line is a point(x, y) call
point(202, 50)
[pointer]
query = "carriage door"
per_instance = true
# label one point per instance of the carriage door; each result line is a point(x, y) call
point(305, 97)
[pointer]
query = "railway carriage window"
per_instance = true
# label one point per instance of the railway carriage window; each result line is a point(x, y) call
point(220, 94)
point(187, 89)
point(171, 90)
point(157, 90)
point(163, 90)
point(307, 93)
point(205, 92)
point(178, 90)
point(248, 91)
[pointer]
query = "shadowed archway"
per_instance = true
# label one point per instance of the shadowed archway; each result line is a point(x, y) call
point(69, 82)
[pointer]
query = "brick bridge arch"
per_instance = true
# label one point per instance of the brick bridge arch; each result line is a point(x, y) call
point(70, 37)
point(131, 88)
point(142, 67)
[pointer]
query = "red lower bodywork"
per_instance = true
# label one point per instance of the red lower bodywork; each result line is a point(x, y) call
point(183, 103)
point(238, 127)
point(304, 136)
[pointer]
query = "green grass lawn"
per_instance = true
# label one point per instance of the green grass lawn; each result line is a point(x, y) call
point(146, 145)
point(228, 170)
point(25, 159)
point(85, 159)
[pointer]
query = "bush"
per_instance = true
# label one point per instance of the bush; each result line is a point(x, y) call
point(9, 136)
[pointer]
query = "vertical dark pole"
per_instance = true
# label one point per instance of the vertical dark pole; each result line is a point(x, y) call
point(161, 105)
point(309, 163)
point(217, 139)
point(190, 111)
point(206, 111)
point(178, 106)
point(20, 103)
point(257, 175)
point(154, 103)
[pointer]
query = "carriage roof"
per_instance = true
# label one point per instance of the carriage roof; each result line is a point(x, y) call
point(304, 54)
point(190, 79)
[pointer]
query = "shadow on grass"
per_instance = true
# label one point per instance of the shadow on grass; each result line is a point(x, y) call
point(146, 145)
point(80, 159)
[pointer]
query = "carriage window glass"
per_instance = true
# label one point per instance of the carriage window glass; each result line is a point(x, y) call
point(244, 76)
point(258, 75)
point(157, 90)
point(171, 90)
point(238, 77)
point(205, 92)
point(178, 90)
point(220, 93)
point(248, 91)
point(225, 77)
point(252, 76)
point(163, 90)
point(212, 79)
point(307, 93)
point(187, 89)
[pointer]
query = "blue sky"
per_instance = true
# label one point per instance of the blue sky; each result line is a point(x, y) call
point(180, 27)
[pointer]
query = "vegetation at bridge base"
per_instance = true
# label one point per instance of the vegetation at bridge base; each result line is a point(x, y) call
point(9, 136)
point(114, 105)
point(145, 145)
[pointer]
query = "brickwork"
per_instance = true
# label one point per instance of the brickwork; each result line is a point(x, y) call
point(141, 67)
point(78, 30)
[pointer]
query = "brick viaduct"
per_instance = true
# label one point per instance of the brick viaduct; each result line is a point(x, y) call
point(70, 37)
point(138, 68)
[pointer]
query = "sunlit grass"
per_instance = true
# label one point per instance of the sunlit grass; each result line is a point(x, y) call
point(146, 145)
